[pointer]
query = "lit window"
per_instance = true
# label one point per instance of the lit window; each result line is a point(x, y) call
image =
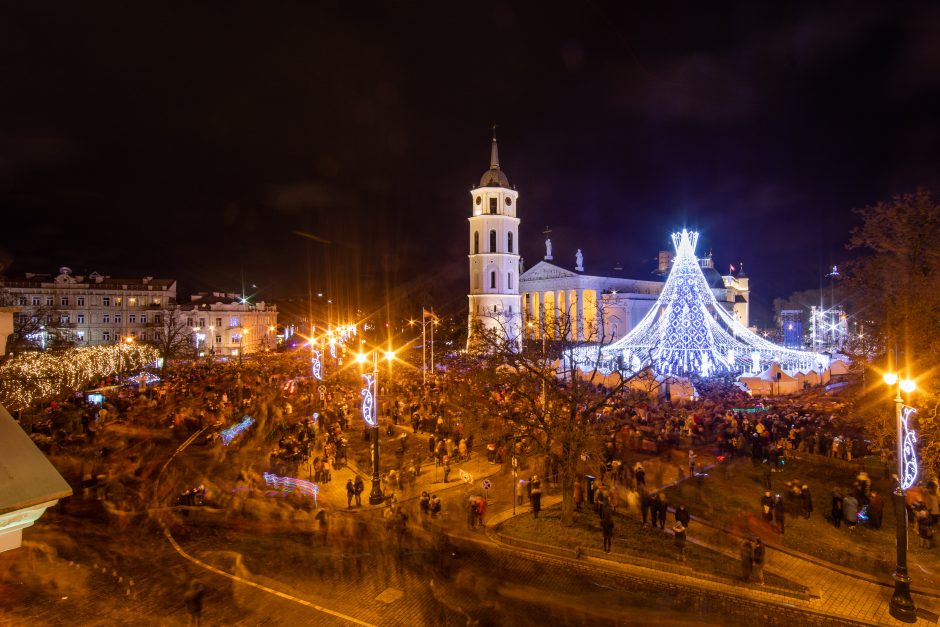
point(117, 301)
point(236, 339)
point(80, 335)
point(156, 301)
point(233, 322)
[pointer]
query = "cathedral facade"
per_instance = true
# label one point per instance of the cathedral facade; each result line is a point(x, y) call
point(553, 301)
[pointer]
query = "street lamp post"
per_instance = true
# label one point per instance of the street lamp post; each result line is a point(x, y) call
point(902, 605)
point(370, 413)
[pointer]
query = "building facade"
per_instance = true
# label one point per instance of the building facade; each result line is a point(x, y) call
point(227, 325)
point(494, 301)
point(88, 310)
point(570, 305)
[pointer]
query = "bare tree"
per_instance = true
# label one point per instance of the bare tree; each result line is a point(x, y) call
point(560, 394)
point(173, 337)
point(39, 328)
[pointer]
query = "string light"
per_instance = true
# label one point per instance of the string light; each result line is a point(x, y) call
point(908, 449)
point(368, 400)
point(35, 377)
point(317, 366)
point(232, 432)
point(688, 332)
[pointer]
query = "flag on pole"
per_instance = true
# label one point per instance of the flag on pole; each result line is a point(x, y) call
point(733, 270)
point(427, 314)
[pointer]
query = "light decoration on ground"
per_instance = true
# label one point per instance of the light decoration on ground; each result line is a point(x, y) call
point(232, 432)
point(286, 485)
point(317, 365)
point(368, 400)
point(34, 377)
point(687, 332)
point(908, 449)
point(145, 378)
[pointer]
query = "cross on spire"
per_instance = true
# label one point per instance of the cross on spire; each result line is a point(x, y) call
point(494, 152)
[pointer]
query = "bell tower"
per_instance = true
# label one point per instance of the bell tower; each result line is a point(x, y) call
point(494, 254)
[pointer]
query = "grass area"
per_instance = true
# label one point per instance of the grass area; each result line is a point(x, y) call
point(732, 500)
point(630, 539)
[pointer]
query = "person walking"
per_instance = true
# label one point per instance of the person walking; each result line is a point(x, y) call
point(350, 492)
point(807, 501)
point(767, 507)
point(359, 487)
point(662, 508)
point(645, 504)
point(682, 515)
point(535, 495)
point(876, 509)
point(837, 504)
point(607, 528)
point(757, 557)
point(678, 532)
point(850, 511)
point(193, 600)
point(780, 513)
point(747, 560)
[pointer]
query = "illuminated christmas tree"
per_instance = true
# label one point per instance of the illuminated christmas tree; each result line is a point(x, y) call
point(688, 332)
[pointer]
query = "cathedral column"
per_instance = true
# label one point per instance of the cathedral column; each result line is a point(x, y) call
point(562, 321)
point(579, 322)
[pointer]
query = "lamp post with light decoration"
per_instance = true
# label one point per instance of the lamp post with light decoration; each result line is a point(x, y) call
point(370, 413)
point(902, 605)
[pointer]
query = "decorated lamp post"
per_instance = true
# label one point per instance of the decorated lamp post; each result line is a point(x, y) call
point(902, 605)
point(370, 414)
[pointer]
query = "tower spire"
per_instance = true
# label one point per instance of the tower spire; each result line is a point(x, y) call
point(494, 152)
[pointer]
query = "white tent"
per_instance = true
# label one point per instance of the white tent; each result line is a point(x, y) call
point(772, 382)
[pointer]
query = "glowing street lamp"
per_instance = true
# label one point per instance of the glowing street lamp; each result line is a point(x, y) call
point(902, 605)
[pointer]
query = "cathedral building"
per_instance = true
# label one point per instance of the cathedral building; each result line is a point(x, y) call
point(560, 302)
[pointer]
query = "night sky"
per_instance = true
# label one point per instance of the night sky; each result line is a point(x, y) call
point(191, 140)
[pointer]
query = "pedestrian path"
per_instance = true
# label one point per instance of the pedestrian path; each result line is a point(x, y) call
point(832, 593)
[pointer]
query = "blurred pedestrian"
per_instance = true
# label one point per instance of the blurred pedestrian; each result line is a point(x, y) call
point(757, 557)
point(678, 532)
point(193, 600)
point(607, 528)
point(747, 560)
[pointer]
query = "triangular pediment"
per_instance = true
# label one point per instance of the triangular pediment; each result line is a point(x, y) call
point(545, 270)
